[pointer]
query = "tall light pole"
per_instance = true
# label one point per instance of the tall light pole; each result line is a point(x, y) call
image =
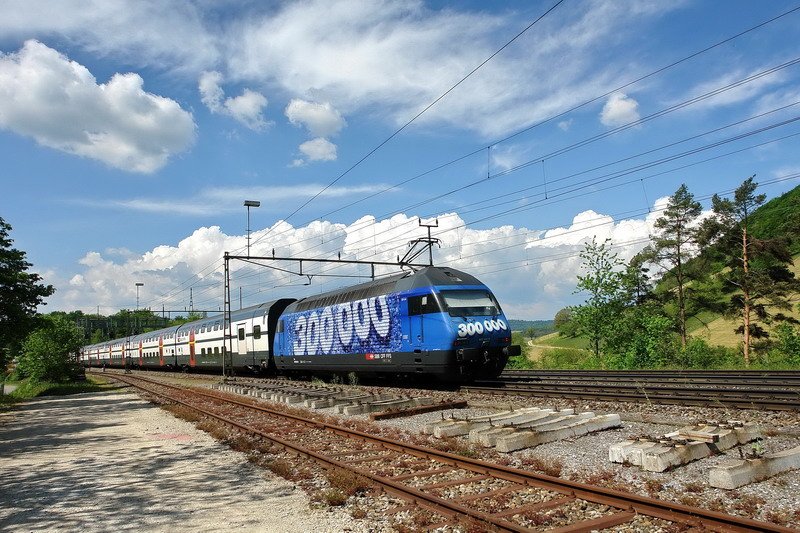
point(248, 204)
point(138, 284)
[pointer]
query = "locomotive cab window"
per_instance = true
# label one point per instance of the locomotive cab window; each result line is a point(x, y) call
point(419, 305)
point(470, 303)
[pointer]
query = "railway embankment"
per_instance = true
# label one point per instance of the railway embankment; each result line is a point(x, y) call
point(113, 462)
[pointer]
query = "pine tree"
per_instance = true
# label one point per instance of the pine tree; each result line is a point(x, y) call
point(674, 244)
point(21, 292)
point(758, 279)
point(637, 282)
point(604, 284)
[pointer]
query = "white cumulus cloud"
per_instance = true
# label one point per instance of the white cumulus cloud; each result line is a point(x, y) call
point(387, 58)
point(532, 272)
point(619, 109)
point(319, 149)
point(152, 33)
point(393, 58)
point(59, 103)
point(321, 120)
point(247, 108)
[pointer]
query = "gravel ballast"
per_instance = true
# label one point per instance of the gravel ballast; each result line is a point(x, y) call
point(113, 462)
point(221, 483)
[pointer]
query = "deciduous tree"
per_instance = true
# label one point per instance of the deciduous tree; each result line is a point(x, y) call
point(49, 353)
point(603, 283)
point(21, 292)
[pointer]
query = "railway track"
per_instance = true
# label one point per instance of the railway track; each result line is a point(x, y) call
point(742, 390)
point(456, 488)
point(709, 377)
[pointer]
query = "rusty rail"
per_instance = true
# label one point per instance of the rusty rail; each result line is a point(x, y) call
point(627, 504)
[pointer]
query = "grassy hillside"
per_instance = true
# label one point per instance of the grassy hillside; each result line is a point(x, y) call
point(719, 330)
point(535, 348)
point(780, 217)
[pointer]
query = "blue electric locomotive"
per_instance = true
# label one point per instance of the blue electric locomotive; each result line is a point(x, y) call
point(438, 322)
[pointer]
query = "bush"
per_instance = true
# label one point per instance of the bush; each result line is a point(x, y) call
point(642, 338)
point(787, 347)
point(334, 497)
point(519, 362)
point(347, 482)
point(48, 353)
point(699, 354)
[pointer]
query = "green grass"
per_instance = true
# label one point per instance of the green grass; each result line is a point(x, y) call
point(27, 390)
point(557, 341)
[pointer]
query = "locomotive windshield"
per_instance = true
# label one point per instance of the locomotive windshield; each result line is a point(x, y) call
point(470, 303)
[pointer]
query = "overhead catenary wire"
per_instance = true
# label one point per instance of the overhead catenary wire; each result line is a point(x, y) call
point(623, 127)
point(478, 269)
point(554, 117)
point(422, 112)
point(603, 220)
point(612, 175)
point(569, 110)
point(695, 54)
point(585, 184)
point(603, 178)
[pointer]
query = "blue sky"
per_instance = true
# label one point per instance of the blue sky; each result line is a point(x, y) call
point(131, 132)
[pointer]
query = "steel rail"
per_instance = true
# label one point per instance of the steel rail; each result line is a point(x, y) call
point(736, 398)
point(688, 372)
point(787, 378)
point(627, 502)
point(747, 381)
point(673, 389)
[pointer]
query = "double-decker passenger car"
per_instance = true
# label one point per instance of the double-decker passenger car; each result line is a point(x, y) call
point(435, 322)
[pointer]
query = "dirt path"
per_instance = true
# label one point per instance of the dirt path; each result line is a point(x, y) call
point(112, 462)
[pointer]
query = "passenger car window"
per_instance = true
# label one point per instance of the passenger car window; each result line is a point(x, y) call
point(241, 334)
point(256, 332)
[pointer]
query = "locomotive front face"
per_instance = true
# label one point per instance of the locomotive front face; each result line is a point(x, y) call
point(482, 337)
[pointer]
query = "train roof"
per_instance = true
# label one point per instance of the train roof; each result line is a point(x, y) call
point(236, 315)
point(426, 277)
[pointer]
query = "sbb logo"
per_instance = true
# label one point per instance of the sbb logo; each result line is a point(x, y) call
point(477, 328)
